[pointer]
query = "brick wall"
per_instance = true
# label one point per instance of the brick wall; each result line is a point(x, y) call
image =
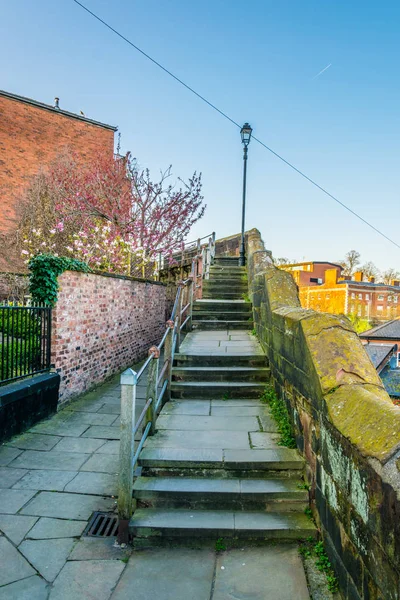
point(345, 425)
point(102, 325)
point(31, 137)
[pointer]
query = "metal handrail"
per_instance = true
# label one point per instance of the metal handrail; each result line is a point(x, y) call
point(170, 343)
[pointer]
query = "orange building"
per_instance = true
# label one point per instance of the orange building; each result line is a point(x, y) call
point(334, 293)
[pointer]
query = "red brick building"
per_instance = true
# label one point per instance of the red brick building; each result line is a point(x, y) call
point(31, 136)
point(333, 293)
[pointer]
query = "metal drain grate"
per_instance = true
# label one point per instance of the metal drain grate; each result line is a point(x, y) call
point(102, 525)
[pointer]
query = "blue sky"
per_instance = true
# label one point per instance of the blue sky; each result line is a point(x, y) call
point(257, 61)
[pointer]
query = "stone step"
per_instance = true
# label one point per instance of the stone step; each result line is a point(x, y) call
point(225, 284)
point(155, 526)
point(226, 261)
point(229, 267)
point(216, 389)
point(219, 295)
point(269, 462)
point(224, 273)
point(204, 360)
point(220, 374)
point(213, 315)
point(210, 305)
point(226, 325)
point(235, 494)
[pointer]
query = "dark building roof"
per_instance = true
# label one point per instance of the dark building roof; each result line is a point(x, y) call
point(386, 331)
point(55, 109)
point(378, 353)
point(391, 381)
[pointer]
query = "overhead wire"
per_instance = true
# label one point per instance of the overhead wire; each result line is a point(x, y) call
point(226, 116)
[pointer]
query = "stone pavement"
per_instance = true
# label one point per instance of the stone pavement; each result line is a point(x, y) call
point(55, 475)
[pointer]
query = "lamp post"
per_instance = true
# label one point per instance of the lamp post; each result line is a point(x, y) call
point(245, 132)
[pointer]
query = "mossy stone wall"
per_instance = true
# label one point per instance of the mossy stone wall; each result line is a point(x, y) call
point(345, 425)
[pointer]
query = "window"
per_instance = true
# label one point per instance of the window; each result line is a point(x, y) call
point(353, 295)
point(367, 296)
point(359, 311)
point(327, 296)
point(380, 308)
point(395, 299)
point(389, 298)
point(380, 297)
point(352, 308)
point(398, 359)
point(360, 296)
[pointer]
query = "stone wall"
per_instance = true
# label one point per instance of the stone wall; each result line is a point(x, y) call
point(102, 325)
point(345, 424)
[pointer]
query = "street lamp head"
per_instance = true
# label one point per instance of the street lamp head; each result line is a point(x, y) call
point(245, 132)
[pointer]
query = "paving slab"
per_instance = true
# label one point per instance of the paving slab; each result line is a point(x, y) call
point(53, 460)
point(207, 424)
point(7, 454)
point(110, 409)
point(106, 433)
point(9, 476)
point(102, 463)
point(166, 577)
point(46, 528)
point(94, 579)
point(110, 447)
point(198, 439)
point(13, 564)
point(99, 549)
point(80, 445)
point(236, 411)
point(32, 588)
point(67, 506)
point(103, 484)
point(58, 426)
point(270, 457)
point(34, 441)
point(91, 418)
point(86, 405)
point(188, 407)
point(47, 556)
point(52, 481)
point(260, 574)
point(236, 402)
point(264, 440)
point(15, 527)
point(180, 456)
point(11, 501)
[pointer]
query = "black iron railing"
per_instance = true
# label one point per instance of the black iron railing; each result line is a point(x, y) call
point(25, 341)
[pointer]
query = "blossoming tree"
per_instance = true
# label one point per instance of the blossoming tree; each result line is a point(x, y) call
point(109, 213)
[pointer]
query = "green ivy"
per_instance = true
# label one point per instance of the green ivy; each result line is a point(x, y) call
point(44, 271)
point(281, 416)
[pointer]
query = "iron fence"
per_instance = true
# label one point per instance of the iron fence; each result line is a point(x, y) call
point(25, 342)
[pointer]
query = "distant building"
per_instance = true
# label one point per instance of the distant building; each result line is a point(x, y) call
point(330, 291)
point(31, 136)
point(383, 344)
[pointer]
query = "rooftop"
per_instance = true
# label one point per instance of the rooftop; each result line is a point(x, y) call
point(379, 352)
point(66, 113)
point(387, 331)
point(369, 284)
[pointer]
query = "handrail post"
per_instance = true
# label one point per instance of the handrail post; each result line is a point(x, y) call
point(151, 391)
point(126, 453)
point(190, 291)
point(168, 357)
point(179, 317)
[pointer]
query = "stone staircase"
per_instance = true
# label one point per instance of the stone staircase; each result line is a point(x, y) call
point(214, 468)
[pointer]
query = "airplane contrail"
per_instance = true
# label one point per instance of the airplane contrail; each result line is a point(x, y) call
point(323, 70)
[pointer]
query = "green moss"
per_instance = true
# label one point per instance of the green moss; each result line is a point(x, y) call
point(316, 551)
point(280, 414)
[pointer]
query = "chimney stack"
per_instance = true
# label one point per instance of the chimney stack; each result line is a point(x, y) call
point(358, 276)
point(56, 103)
point(371, 279)
point(395, 282)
